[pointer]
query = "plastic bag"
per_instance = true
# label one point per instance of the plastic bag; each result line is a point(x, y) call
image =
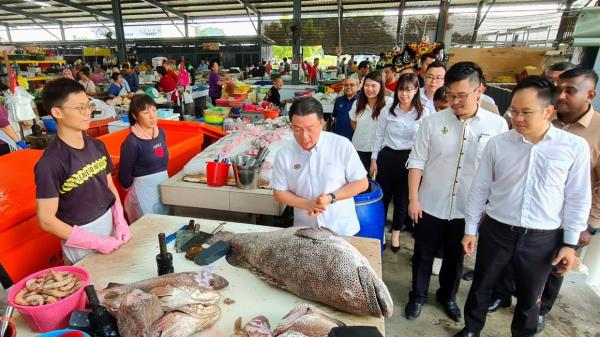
point(106, 111)
point(19, 105)
point(187, 97)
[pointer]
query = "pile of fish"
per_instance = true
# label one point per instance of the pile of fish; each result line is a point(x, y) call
point(314, 264)
point(302, 321)
point(172, 305)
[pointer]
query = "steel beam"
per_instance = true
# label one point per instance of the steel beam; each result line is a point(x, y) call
point(296, 41)
point(259, 32)
point(249, 7)
point(166, 8)
point(401, 5)
point(120, 32)
point(442, 24)
point(81, 7)
point(340, 16)
point(185, 25)
point(28, 15)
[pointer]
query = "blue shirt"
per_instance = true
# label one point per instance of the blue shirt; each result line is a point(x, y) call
point(114, 89)
point(341, 108)
point(133, 81)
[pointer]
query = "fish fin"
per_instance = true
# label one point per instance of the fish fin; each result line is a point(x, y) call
point(267, 278)
point(162, 291)
point(315, 233)
point(237, 326)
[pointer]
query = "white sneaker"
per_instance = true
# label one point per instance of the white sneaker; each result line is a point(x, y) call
point(437, 265)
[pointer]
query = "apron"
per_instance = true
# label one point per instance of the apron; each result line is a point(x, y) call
point(103, 226)
point(143, 196)
point(11, 143)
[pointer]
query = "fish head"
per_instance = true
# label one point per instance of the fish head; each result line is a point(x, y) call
point(377, 294)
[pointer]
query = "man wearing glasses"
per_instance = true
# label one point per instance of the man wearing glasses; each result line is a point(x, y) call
point(445, 155)
point(342, 106)
point(533, 183)
point(76, 198)
point(434, 79)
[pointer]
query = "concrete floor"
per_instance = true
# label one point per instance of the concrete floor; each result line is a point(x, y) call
point(576, 312)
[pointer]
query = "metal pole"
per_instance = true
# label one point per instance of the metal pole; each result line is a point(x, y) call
point(296, 40)
point(185, 25)
point(340, 14)
point(399, 26)
point(496, 41)
point(442, 24)
point(120, 32)
point(547, 36)
point(8, 32)
point(260, 37)
point(62, 31)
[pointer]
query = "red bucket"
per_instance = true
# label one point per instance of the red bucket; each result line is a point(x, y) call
point(217, 173)
point(271, 113)
point(56, 315)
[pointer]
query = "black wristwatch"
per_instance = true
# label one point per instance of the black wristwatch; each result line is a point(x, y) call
point(570, 246)
point(593, 230)
point(333, 198)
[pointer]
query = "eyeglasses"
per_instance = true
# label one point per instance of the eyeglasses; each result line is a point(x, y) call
point(461, 97)
point(82, 109)
point(434, 78)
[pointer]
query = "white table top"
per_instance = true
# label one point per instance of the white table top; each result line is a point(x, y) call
point(136, 261)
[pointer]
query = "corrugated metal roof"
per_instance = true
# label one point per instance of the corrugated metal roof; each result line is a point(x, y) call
point(138, 10)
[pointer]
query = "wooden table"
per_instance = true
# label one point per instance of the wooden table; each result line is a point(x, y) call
point(136, 261)
point(178, 192)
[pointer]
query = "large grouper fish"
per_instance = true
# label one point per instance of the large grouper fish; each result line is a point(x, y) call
point(315, 264)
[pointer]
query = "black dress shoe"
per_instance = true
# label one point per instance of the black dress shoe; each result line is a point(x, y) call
point(541, 324)
point(450, 307)
point(498, 303)
point(466, 333)
point(469, 276)
point(412, 310)
point(394, 248)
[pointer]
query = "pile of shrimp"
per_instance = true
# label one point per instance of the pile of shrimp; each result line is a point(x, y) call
point(47, 289)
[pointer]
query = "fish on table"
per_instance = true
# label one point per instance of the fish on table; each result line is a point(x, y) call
point(306, 320)
point(312, 263)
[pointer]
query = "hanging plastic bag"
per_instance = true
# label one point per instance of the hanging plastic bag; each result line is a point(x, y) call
point(187, 97)
point(19, 105)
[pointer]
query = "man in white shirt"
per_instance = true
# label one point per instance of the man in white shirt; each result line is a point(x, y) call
point(534, 179)
point(445, 155)
point(319, 173)
point(434, 79)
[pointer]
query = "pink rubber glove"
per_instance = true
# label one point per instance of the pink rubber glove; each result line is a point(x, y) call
point(122, 232)
point(85, 240)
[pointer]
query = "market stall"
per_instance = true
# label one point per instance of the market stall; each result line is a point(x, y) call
point(248, 296)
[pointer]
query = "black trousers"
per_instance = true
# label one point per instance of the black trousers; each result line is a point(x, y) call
point(505, 289)
point(529, 254)
point(430, 234)
point(365, 158)
point(392, 176)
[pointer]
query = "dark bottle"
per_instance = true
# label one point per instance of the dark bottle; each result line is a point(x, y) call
point(164, 260)
point(102, 322)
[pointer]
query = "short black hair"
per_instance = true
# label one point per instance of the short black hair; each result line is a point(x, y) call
point(561, 66)
point(210, 65)
point(86, 71)
point(285, 59)
point(115, 76)
point(139, 103)
point(464, 71)
point(363, 64)
point(546, 90)
point(577, 72)
point(3, 87)
point(427, 56)
point(436, 64)
point(55, 92)
point(161, 70)
point(441, 93)
point(125, 66)
point(305, 106)
point(388, 65)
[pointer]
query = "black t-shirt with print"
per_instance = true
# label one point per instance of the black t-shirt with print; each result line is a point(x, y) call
point(78, 177)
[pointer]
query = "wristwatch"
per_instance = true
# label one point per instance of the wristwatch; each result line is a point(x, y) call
point(593, 230)
point(570, 246)
point(333, 198)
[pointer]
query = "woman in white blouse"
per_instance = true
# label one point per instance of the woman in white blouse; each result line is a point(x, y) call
point(364, 114)
point(394, 137)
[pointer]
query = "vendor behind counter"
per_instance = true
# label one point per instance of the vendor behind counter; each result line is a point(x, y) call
point(273, 96)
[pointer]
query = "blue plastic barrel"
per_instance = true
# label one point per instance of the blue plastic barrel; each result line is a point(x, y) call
point(370, 212)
